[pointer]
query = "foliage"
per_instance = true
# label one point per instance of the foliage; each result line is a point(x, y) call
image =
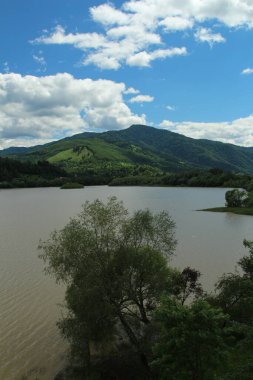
point(186, 285)
point(115, 269)
point(125, 304)
point(236, 198)
point(192, 342)
point(15, 173)
point(234, 294)
point(235, 290)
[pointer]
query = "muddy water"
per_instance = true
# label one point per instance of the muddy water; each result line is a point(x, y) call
point(29, 301)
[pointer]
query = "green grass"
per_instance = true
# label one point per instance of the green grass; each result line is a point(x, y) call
point(234, 210)
point(70, 154)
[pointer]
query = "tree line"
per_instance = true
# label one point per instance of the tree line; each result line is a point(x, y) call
point(14, 173)
point(130, 315)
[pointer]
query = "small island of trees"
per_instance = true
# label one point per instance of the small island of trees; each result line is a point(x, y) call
point(237, 201)
point(130, 315)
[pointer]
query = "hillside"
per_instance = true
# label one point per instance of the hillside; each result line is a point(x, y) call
point(138, 145)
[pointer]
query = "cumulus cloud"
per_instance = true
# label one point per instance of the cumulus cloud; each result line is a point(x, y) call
point(36, 110)
point(238, 132)
point(206, 35)
point(131, 33)
point(142, 99)
point(247, 71)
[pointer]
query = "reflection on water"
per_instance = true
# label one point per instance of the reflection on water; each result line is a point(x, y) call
point(29, 340)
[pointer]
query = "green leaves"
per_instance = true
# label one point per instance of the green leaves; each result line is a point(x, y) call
point(115, 268)
point(192, 341)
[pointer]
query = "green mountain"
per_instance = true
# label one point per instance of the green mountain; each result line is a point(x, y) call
point(138, 145)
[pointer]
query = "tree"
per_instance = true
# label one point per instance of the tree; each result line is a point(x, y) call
point(186, 285)
point(115, 269)
point(234, 294)
point(234, 291)
point(236, 198)
point(192, 342)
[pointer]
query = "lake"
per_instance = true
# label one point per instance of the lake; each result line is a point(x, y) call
point(29, 300)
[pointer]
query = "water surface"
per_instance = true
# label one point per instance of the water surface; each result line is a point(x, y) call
point(210, 242)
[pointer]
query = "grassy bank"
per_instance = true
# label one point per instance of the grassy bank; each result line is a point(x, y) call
point(234, 210)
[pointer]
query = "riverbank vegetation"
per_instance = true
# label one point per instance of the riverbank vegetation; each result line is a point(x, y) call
point(14, 174)
point(130, 315)
point(237, 202)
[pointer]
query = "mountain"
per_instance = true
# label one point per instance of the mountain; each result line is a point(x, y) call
point(138, 145)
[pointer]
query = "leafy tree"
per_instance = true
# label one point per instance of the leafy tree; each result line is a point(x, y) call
point(186, 285)
point(115, 268)
point(235, 198)
point(234, 291)
point(234, 294)
point(192, 342)
point(249, 200)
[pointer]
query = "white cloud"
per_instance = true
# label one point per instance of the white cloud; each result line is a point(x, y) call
point(206, 35)
point(232, 13)
point(144, 58)
point(141, 99)
point(237, 132)
point(247, 71)
point(109, 15)
point(171, 108)
point(175, 23)
point(166, 124)
point(131, 91)
point(130, 32)
point(81, 41)
point(40, 109)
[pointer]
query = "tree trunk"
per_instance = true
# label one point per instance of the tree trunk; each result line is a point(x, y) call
point(133, 339)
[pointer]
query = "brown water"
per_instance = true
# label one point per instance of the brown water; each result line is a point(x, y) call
point(29, 340)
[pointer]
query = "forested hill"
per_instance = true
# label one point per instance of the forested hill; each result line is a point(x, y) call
point(138, 145)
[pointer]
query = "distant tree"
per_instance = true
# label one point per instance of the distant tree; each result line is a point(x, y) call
point(235, 198)
point(115, 270)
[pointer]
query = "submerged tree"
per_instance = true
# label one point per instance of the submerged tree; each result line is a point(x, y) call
point(115, 269)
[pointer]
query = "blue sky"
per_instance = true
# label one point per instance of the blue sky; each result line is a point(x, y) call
point(67, 66)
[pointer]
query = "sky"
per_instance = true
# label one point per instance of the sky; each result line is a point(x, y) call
point(69, 66)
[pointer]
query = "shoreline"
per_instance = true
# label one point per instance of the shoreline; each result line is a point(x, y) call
point(233, 210)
